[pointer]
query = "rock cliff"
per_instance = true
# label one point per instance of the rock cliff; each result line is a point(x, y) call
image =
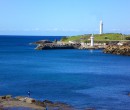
point(118, 49)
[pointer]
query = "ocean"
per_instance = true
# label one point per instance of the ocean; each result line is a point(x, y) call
point(82, 78)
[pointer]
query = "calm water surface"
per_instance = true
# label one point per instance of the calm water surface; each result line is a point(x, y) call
point(83, 78)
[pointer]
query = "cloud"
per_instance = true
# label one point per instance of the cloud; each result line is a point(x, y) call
point(63, 30)
point(33, 29)
point(115, 29)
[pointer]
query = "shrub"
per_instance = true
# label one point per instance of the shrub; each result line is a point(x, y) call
point(64, 38)
point(127, 38)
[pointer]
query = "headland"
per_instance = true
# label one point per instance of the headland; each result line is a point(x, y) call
point(114, 43)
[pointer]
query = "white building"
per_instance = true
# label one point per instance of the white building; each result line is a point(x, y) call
point(92, 40)
point(101, 27)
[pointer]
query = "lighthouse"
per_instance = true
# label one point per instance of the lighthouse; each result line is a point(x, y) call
point(101, 27)
point(92, 40)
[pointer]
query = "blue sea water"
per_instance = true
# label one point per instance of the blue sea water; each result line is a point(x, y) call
point(82, 78)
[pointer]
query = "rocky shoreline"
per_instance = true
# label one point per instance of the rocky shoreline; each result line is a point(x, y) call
point(8, 102)
point(48, 45)
point(118, 50)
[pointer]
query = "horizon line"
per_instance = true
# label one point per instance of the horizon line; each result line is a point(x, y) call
point(59, 35)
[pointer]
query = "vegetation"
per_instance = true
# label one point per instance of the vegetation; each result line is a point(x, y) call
point(107, 37)
point(127, 38)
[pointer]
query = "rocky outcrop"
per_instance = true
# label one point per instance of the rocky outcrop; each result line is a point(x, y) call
point(30, 100)
point(117, 49)
point(20, 98)
point(46, 44)
point(6, 97)
point(25, 99)
point(57, 105)
point(42, 42)
point(21, 101)
point(49, 46)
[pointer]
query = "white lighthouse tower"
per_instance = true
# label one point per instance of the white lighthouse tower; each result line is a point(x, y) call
point(101, 27)
point(92, 40)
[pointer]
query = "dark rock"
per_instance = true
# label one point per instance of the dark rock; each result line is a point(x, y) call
point(30, 100)
point(119, 50)
point(42, 42)
point(39, 103)
point(20, 98)
point(46, 44)
point(56, 105)
point(48, 102)
point(2, 97)
point(8, 96)
point(62, 104)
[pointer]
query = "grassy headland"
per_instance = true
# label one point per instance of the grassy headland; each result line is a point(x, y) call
point(107, 37)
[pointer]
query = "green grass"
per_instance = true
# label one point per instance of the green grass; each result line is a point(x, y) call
point(97, 37)
point(76, 38)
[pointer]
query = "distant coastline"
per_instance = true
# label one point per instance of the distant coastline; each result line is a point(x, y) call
point(101, 41)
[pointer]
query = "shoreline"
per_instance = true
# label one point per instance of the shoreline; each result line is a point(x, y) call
point(120, 48)
point(49, 45)
point(117, 50)
point(8, 102)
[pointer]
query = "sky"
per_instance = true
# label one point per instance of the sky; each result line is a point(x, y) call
point(63, 17)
